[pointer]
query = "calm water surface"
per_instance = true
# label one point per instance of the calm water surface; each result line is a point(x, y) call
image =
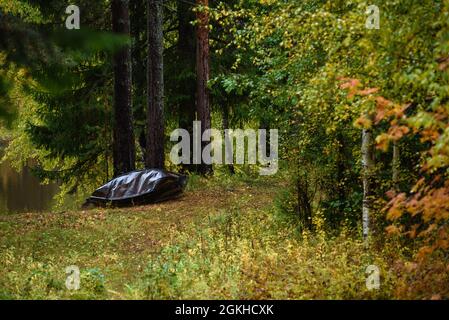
point(22, 192)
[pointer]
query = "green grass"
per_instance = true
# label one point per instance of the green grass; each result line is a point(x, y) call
point(222, 239)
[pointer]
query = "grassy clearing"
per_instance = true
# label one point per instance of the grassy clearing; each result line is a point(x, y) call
point(220, 240)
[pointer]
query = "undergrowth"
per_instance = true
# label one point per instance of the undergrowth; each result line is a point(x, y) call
point(221, 240)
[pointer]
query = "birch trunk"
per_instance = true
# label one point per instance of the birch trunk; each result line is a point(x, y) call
point(367, 176)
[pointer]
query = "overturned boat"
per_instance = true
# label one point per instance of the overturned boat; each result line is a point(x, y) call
point(137, 188)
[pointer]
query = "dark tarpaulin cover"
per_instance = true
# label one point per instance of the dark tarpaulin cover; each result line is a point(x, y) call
point(139, 187)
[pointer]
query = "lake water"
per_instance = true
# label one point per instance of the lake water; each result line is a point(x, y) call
point(22, 192)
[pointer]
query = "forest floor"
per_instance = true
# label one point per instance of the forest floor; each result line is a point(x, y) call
point(219, 240)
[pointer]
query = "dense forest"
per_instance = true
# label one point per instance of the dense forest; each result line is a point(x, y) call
point(346, 196)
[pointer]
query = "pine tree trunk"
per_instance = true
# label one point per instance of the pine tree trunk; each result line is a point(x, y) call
point(123, 133)
point(155, 112)
point(367, 176)
point(187, 81)
point(203, 103)
point(138, 19)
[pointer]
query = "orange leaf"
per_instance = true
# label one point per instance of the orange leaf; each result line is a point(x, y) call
point(394, 213)
point(382, 102)
point(423, 252)
point(368, 91)
point(397, 132)
point(382, 142)
point(391, 230)
point(363, 122)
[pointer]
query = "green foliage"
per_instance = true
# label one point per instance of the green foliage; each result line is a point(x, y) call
point(58, 84)
point(308, 68)
point(289, 61)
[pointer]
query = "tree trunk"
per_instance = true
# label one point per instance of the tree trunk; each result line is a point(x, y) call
point(303, 202)
point(138, 18)
point(123, 133)
point(155, 112)
point(396, 164)
point(203, 103)
point(367, 176)
point(187, 75)
point(228, 142)
point(340, 183)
